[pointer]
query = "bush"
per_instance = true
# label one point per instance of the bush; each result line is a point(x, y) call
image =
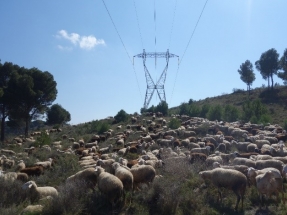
point(215, 113)
point(184, 109)
point(121, 116)
point(99, 127)
point(174, 123)
point(43, 139)
point(285, 125)
point(231, 113)
point(204, 110)
point(162, 107)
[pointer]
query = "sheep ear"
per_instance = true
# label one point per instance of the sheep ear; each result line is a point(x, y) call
point(30, 185)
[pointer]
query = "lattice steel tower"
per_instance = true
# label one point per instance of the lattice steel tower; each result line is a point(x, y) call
point(151, 86)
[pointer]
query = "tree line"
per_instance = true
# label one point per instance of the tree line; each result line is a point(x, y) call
point(26, 95)
point(268, 65)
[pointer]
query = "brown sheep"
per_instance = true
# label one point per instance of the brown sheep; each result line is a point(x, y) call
point(33, 171)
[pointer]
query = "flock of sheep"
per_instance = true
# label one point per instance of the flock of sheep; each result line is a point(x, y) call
point(259, 159)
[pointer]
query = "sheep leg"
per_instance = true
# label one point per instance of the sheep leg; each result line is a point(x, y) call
point(238, 199)
point(219, 199)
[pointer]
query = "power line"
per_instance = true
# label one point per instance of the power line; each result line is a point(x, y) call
point(187, 47)
point(172, 23)
point(193, 30)
point(123, 46)
point(138, 24)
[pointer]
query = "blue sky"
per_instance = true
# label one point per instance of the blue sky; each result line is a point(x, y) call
point(77, 43)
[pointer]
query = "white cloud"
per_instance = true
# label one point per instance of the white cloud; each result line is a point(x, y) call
point(90, 42)
point(84, 42)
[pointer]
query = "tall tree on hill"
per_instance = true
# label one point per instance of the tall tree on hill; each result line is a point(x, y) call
point(56, 114)
point(268, 65)
point(6, 70)
point(283, 66)
point(32, 91)
point(246, 74)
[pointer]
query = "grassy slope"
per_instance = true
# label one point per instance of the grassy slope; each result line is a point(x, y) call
point(276, 101)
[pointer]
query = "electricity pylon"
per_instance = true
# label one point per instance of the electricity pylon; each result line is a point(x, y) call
point(151, 86)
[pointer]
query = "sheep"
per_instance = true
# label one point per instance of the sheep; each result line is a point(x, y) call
point(154, 163)
point(8, 163)
point(9, 152)
point(221, 147)
point(32, 209)
point(106, 149)
point(35, 192)
point(143, 174)
point(106, 164)
point(268, 184)
point(252, 173)
point(244, 161)
point(197, 157)
point(210, 160)
point(88, 176)
point(260, 157)
point(33, 171)
point(124, 175)
point(260, 143)
point(131, 163)
point(9, 176)
point(90, 145)
point(165, 142)
point(110, 185)
point(245, 155)
point(22, 177)
point(123, 161)
point(261, 164)
point(193, 145)
point(45, 164)
point(124, 151)
point(204, 150)
point(228, 178)
point(241, 168)
point(240, 146)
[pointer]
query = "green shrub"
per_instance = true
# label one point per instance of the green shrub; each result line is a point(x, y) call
point(121, 116)
point(215, 113)
point(43, 139)
point(231, 113)
point(174, 123)
point(99, 127)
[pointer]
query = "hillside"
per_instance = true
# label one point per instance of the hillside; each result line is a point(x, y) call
point(178, 177)
point(275, 100)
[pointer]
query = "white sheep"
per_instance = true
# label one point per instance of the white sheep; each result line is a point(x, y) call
point(261, 164)
point(36, 193)
point(143, 174)
point(227, 178)
point(244, 161)
point(87, 176)
point(20, 165)
point(32, 209)
point(45, 164)
point(252, 173)
point(204, 150)
point(110, 185)
point(106, 164)
point(260, 143)
point(268, 184)
point(124, 175)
